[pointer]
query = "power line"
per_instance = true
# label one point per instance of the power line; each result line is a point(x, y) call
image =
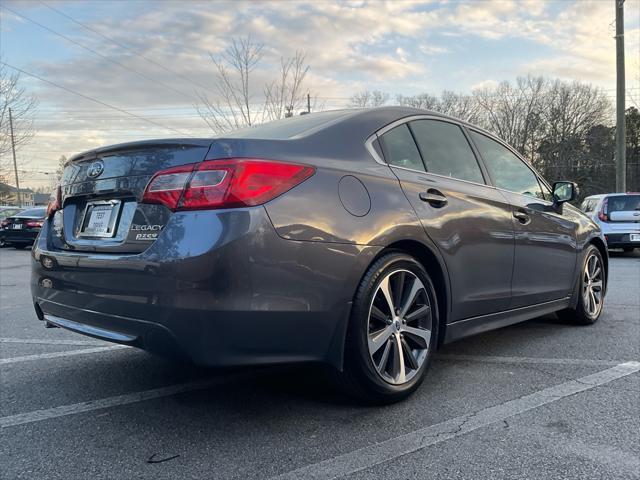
point(115, 62)
point(87, 97)
point(125, 47)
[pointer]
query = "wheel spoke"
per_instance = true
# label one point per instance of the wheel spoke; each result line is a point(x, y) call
point(418, 313)
point(592, 301)
point(381, 367)
point(377, 339)
point(398, 288)
point(420, 335)
point(596, 273)
point(379, 314)
point(416, 286)
point(597, 284)
point(411, 360)
point(398, 361)
point(386, 291)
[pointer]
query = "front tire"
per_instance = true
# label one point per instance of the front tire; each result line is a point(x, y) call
point(591, 290)
point(392, 331)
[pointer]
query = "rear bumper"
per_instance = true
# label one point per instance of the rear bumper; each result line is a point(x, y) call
point(23, 236)
point(220, 288)
point(621, 240)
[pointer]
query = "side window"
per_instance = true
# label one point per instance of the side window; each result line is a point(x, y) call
point(546, 192)
point(445, 150)
point(506, 169)
point(588, 205)
point(400, 149)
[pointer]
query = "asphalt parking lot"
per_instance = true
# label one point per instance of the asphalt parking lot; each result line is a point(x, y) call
point(537, 400)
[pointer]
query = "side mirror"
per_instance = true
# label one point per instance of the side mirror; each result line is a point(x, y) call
point(564, 192)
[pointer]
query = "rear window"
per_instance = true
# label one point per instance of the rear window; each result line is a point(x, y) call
point(34, 212)
point(288, 128)
point(623, 203)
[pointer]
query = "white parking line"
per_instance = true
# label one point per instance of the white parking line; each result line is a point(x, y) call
point(126, 399)
point(52, 341)
point(529, 360)
point(393, 448)
point(68, 353)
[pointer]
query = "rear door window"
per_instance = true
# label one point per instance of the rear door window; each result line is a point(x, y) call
point(400, 149)
point(507, 170)
point(445, 150)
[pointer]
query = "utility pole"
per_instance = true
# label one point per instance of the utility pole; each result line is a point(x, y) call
point(308, 103)
point(15, 164)
point(621, 160)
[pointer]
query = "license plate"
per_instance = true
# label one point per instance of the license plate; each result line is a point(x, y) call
point(17, 226)
point(100, 219)
point(634, 237)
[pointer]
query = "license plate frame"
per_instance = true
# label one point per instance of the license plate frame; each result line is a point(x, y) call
point(634, 237)
point(16, 226)
point(99, 219)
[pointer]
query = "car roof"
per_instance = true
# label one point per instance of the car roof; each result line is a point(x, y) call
point(618, 194)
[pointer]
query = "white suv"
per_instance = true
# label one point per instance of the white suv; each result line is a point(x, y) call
point(618, 215)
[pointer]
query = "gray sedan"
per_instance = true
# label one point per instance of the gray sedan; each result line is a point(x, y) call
point(360, 239)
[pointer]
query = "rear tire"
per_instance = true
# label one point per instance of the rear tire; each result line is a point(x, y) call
point(591, 290)
point(392, 331)
point(628, 249)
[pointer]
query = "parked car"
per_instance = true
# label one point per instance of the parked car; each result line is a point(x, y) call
point(20, 230)
point(618, 216)
point(362, 239)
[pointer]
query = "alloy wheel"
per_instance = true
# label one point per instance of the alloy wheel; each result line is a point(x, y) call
point(592, 285)
point(399, 327)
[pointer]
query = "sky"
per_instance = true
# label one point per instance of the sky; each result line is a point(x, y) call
point(152, 58)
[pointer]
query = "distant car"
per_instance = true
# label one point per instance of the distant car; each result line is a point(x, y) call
point(20, 230)
point(8, 211)
point(618, 215)
point(362, 239)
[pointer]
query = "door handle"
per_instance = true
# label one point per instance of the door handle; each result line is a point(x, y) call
point(522, 217)
point(434, 198)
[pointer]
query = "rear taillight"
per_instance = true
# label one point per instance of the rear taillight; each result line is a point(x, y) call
point(55, 202)
point(225, 183)
point(34, 224)
point(5, 223)
point(602, 214)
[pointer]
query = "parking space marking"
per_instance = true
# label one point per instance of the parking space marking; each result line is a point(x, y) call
point(117, 400)
point(69, 353)
point(529, 360)
point(45, 341)
point(393, 448)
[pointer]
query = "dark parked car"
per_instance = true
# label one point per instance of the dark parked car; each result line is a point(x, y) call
point(21, 229)
point(361, 239)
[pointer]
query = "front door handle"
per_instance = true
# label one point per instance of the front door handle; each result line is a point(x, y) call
point(522, 217)
point(434, 198)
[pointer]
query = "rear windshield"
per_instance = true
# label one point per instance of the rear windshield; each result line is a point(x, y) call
point(34, 212)
point(623, 203)
point(288, 128)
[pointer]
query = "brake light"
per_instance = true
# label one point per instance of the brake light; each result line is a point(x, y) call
point(225, 183)
point(55, 202)
point(34, 224)
point(602, 214)
point(5, 223)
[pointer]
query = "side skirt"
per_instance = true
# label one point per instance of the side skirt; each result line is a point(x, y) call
point(484, 323)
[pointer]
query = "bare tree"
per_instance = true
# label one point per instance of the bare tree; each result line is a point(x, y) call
point(232, 106)
point(423, 101)
point(284, 95)
point(23, 105)
point(369, 99)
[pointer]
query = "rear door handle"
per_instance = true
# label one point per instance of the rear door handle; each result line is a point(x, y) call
point(434, 198)
point(522, 217)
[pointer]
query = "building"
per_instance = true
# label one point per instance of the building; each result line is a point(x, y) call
point(8, 196)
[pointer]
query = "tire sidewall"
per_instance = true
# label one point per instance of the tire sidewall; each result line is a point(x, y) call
point(358, 325)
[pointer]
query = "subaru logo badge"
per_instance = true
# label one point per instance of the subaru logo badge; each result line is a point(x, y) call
point(95, 169)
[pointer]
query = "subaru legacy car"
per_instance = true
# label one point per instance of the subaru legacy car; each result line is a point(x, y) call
point(618, 216)
point(21, 229)
point(359, 239)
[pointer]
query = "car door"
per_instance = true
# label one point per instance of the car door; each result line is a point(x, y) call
point(469, 221)
point(545, 236)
